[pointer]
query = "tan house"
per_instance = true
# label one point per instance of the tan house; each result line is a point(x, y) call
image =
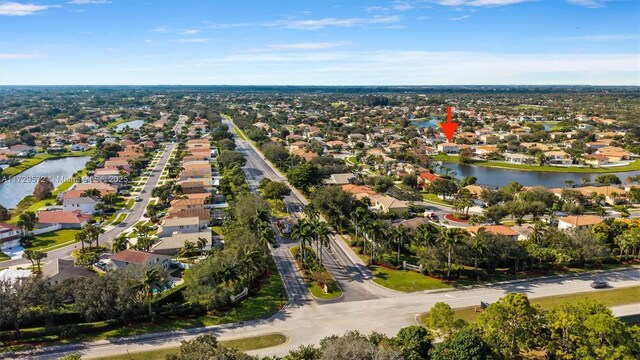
point(388, 204)
point(578, 222)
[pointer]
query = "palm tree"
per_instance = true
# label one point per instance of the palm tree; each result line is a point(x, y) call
point(266, 236)
point(151, 280)
point(120, 243)
point(479, 247)
point(91, 193)
point(426, 235)
point(321, 233)
point(81, 237)
point(373, 233)
point(302, 232)
point(187, 249)
point(357, 216)
point(568, 182)
point(201, 243)
point(400, 234)
point(450, 238)
point(538, 232)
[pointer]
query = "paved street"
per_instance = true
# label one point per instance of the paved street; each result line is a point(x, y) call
point(133, 216)
point(308, 324)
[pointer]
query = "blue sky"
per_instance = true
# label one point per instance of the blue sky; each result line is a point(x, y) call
point(303, 42)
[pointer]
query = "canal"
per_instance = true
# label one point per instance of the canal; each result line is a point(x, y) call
point(16, 188)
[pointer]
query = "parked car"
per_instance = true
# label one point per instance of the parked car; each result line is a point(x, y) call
point(138, 199)
point(599, 284)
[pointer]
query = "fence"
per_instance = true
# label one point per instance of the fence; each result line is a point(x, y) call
point(242, 294)
point(408, 266)
point(46, 229)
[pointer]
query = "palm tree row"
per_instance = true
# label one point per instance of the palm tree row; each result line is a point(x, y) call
point(89, 234)
point(311, 231)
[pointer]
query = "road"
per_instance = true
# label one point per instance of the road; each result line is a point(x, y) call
point(347, 269)
point(309, 324)
point(133, 216)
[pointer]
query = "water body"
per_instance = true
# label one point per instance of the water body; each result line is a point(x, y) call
point(432, 123)
point(133, 124)
point(501, 177)
point(15, 189)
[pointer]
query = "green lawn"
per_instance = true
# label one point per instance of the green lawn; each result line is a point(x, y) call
point(267, 302)
point(314, 288)
point(434, 199)
point(403, 280)
point(244, 344)
point(634, 166)
point(54, 239)
point(611, 297)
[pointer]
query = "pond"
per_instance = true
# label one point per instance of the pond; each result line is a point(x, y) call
point(501, 177)
point(21, 185)
point(133, 124)
point(433, 122)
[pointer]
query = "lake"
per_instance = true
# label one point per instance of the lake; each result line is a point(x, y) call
point(501, 177)
point(432, 123)
point(133, 124)
point(21, 185)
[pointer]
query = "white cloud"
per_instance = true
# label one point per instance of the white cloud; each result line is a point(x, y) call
point(191, 40)
point(338, 22)
point(19, 9)
point(88, 2)
point(161, 29)
point(589, 3)
point(190, 32)
point(310, 45)
point(18, 56)
point(460, 18)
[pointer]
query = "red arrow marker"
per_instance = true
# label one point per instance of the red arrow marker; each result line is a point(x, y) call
point(449, 127)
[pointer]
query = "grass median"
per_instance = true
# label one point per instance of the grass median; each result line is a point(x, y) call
point(244, 344)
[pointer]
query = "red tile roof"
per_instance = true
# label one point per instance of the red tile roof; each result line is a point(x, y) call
point(132, 256)
point(62, 217)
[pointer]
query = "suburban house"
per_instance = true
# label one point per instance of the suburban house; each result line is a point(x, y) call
point(518, 158)
point(103, 187)
point(596, 159)
point(172, 244)
point(388, 204)
point(204, 215)
point(57, 271)
point(449, 148)
point(340, 179)
point(196, 169)
point(178, 225)
point(9, 236)
point(495, 230)
point(412, 224)
point(80, 147)
point(426, 178)
point(142, 258)
point(65, 219)
point(578, 222)
point(558, 157)
point(85, 204)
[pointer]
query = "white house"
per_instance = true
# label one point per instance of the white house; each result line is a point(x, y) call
point(179, 226)
point(518, 158)
point(449, 148)
point(9, 236)
point(85, 204)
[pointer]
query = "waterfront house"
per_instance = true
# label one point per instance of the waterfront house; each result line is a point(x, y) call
point(518, 158)
point(85, 204)
point(9, 236)
point(63, 219)
point(449, 148)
